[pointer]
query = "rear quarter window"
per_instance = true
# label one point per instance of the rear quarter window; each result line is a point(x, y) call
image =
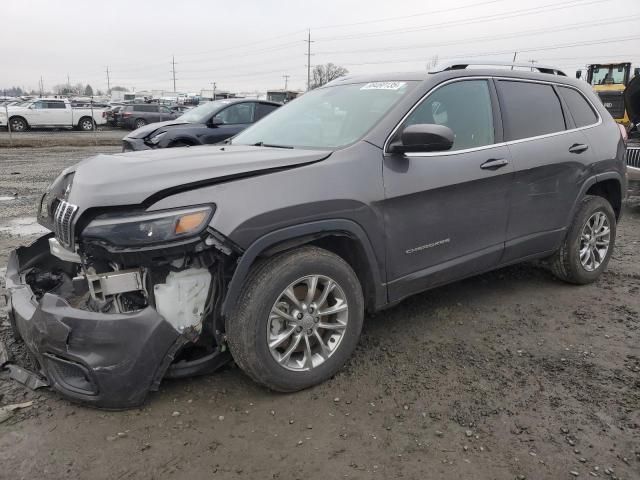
point(529, 109)
point(581, 111)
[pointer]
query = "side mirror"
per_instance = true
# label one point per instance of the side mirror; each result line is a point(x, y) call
point(214, 122)
point(423, 137)
point(578, 73)
point(636, 72)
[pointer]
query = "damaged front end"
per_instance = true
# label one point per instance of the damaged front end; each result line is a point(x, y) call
point(107, 318)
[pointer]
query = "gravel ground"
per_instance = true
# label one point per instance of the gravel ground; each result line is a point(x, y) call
point(511, 374)
point(104, 136)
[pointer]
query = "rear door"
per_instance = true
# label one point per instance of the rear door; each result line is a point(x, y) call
point(262, 110)
point(446, 212)
point(58, 113)
point(551, 158)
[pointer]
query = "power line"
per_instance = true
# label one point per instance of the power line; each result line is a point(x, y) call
point(488, 38)
point(403, 17)
point(476, 19)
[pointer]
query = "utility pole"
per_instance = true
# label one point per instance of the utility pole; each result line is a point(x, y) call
point(173, 70)
point(286, 80)
point(108, 81)
point(213, 84)
point(68, 85)
point(41, 87)
point(308, 40)
point(533, 63)
point(515, 55)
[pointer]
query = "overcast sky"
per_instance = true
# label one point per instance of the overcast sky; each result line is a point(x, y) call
point(248, 45)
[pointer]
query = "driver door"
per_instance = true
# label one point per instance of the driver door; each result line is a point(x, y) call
point(446, 212)
point(233, 120)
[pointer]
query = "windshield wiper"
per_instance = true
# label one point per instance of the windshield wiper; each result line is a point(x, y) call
point(262, 144)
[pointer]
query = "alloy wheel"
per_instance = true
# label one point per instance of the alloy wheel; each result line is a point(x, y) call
point(307, 323)
point(594, 241)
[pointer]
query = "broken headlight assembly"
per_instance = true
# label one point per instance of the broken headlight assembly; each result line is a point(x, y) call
point(148, 228)
point(156, 138)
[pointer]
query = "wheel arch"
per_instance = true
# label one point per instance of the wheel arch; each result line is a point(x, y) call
point(343, 237)
point(608, 186)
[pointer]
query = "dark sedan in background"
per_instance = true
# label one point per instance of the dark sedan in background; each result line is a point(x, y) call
point(209, 123)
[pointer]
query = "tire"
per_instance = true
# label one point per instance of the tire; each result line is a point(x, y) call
point(566, 263)
point(247, 328)
point(18, 124)
point(139, 123)
point(86, 124)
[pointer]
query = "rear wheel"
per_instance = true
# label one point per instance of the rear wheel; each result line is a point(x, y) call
point(139, 123)
point(588, 246)
point(297, 320)
point(18, 124)
point(86, 124)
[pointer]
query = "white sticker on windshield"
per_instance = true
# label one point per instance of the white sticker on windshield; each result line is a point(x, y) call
point(383, 86)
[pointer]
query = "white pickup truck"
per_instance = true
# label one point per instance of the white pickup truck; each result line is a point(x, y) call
point(50, 112)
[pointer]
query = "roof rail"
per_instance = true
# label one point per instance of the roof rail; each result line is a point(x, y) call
point(462, 64)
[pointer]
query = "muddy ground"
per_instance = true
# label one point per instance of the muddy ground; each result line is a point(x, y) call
point(511, 374)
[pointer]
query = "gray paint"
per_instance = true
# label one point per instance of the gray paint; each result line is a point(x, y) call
point(454, 218)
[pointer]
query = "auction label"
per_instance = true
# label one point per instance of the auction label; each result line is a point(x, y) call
point(383, 86)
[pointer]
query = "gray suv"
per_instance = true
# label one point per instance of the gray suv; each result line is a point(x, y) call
point(269, 249)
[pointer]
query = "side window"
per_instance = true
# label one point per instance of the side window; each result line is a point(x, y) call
point(464, 107)
point(55, 104)
point(164, 109)
point(39, 105)
point(529, 109)
point(237, 114)
point(579, 108)
point(262, 110)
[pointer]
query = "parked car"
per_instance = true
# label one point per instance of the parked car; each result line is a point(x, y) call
point(109, 114)
point(140, 114)
point(50, 112)
point(210, 122)
point(271, 247)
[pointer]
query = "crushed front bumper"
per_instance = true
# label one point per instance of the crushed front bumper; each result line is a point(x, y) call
point(106, 360)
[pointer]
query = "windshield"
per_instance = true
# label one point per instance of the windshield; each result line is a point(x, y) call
point(328, 117)
point(608, 74)
point(202, 113)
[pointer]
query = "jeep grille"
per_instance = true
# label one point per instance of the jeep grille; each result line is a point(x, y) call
point(62, 223)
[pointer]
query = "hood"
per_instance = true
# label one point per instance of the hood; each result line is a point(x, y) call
point(142, 177)
point(159, 126)
point(632, 99)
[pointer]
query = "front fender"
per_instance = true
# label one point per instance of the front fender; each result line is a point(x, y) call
point(302, 233)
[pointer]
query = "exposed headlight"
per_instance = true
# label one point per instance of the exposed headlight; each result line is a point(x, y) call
point(149, 228)
point(156, 138)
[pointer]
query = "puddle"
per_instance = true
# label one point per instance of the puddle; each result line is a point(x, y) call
point(22, 227)
point(6, 199)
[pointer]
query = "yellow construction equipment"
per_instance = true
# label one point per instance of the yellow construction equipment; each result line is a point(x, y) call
point(610, 80)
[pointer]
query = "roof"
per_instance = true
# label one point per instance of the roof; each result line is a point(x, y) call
point(458, 69)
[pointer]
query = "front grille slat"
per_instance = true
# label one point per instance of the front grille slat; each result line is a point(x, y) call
point(63, 222)
point(633, 157)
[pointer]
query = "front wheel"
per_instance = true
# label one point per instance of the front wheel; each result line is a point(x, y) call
point(18, 124)
point(297, 320)
point(588, 246)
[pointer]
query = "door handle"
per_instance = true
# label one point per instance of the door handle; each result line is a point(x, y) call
point(494, 164)
point(578, 148)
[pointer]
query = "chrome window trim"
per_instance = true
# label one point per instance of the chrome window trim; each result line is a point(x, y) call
point(493, 145)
